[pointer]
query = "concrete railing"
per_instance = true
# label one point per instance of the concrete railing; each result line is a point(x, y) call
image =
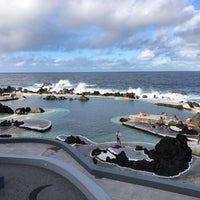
point(148, 181)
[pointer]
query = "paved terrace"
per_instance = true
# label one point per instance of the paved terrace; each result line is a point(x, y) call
point(38, 176)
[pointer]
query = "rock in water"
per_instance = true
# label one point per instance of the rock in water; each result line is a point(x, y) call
point(37, 110)
point(5, 109)
point(74, 140)
point(83, 98)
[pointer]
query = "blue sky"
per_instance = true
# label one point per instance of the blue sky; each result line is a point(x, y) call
point(101, 35)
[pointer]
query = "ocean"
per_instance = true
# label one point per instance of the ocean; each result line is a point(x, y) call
point(98, 118)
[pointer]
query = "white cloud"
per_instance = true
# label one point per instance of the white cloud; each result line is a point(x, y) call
point(161, 61)
point(190, 30)
point(64, 24)
point(145, 55)
point(19, 64)
point(57, 60)
point(153, 30)
point(190, 53)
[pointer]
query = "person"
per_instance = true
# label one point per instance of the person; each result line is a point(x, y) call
point(118, 137)
point(198, 138)
point(165, 115)
point(95, 159)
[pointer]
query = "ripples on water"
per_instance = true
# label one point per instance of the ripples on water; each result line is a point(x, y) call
point(97, 119)
point(176, 85)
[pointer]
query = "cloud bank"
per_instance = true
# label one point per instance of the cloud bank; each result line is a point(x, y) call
point(103, 35)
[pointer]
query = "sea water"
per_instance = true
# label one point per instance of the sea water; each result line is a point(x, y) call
point(168, 85)
point(98, 119)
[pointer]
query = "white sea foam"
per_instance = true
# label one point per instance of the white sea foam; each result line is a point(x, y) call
point(64, 83)
point(80, 87)
point(137, 91)
point(106, 90)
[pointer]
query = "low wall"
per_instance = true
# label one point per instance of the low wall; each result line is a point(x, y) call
point(148, 181)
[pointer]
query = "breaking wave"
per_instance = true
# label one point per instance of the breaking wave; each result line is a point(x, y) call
point(150, 95)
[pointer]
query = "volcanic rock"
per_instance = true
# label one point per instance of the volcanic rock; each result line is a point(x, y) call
point(5, 109)
point(25, 111)
point(170, 157)
point(196, 120)
point(50, 97)
point(74, 140)
point(83, 98)
point(121, 159)
point(21, 111)
point(5, 123)
point(123, 119)
point(37, 110)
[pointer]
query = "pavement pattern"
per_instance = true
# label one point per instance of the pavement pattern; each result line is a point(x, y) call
point(22, 180)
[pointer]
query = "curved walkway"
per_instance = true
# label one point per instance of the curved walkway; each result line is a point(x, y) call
point(117, 185)
point(31, 183)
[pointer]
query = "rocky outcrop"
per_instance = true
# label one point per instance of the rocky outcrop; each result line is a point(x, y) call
point(9, 89)
point(66, 91)
point(123, 119)
point(5, 109)
point(17, 123)
point(170, 157)
point(144, 96)
point(5, 123)
point(74, 140)
point(53, 97)
point(193, 104)
point(42, 91)
point(25, 111)
point(50, 97)
point(37, 110)
point(83, 98)
point(22, 111)
point(196, 120)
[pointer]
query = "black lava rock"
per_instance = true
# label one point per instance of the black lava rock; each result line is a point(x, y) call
point(5, 109)
point(170, 157)
point(74, 140)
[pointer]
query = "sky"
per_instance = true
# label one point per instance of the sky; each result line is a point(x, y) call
point(99, 35)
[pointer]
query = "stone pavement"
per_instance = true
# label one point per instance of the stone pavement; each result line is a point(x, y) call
point(25, 179)
point(24, 182)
